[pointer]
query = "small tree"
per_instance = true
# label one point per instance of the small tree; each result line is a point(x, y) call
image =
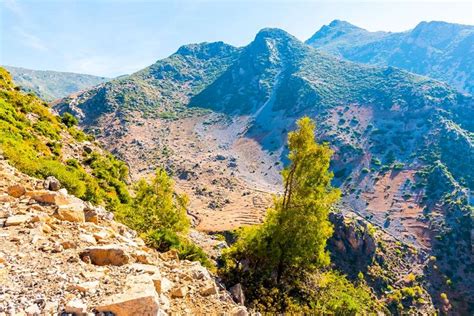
point(69, 120)
point(294, 234)
point(156, 207)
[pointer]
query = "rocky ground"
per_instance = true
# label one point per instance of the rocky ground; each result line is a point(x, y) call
point(60, 255)
point(229, 179)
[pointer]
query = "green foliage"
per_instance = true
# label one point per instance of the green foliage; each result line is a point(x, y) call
point(22, 145)
point(69, 120)
point(79, 135)
point(159, 215)
point(280, 261)
point(157, 206)
point(156, 211)
point(321, 293)
point(293, 236)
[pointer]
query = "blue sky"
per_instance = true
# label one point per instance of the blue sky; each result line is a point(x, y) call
point(114, 37)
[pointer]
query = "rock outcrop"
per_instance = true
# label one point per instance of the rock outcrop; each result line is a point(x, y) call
point(352, 242)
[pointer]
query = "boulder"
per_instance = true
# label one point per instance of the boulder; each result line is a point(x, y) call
point(143, 257)
point(237, 293)
point(105, 255)
point(5, 198)
point(16, 190)
point(17, 220)
point(52, 184)
point(52, 197)
point(70, 212)
point(140, 298)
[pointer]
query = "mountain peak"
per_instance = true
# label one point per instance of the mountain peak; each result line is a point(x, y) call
point(274, 33)
point(435, 26)
point(335, 29)
point(205, 50)
point(342, 24)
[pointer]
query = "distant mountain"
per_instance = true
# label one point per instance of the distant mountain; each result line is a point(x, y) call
point(403, 142)
point(52, 85)
point(440, 50)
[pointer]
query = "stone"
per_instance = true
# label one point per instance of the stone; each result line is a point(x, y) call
point(179, 291)
point(85, 287)
point(199, 272)
point(40, 218)
point(162, 284)
point(239, 311)
point(2, 258)
point(146, 268)
point(209, 289)
point(5, 198)
point(17, 220)
point(45, 228)
point(142, 257)
point(33, 310)
point(49, 197)
point(87, 238)
point(170, 255)
point(105, 255)
point(16, 190)
point(52, 184)
point(68, 244)
point(76, 307)
point(165, 302)
point(237, 293)
point(101, 235)
point(70, 213)
point(139, 298)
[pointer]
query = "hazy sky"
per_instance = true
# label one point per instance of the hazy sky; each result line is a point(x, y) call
point(114, 37)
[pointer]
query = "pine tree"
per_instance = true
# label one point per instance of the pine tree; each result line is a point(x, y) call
point(294, 234)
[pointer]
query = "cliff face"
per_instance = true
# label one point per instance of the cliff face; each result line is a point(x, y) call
point(60, 254)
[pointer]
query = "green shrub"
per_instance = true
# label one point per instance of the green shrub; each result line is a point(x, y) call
point(69, 120)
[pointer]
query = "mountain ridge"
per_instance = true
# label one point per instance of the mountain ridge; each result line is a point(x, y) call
point(51, 85)
point(436, 49)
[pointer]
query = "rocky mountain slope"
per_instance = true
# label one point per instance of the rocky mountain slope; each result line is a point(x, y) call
point(396, 135)
point(63, 254)
point(435, 49)
point(163, 87)
point(60, 254)
point(52, 85)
